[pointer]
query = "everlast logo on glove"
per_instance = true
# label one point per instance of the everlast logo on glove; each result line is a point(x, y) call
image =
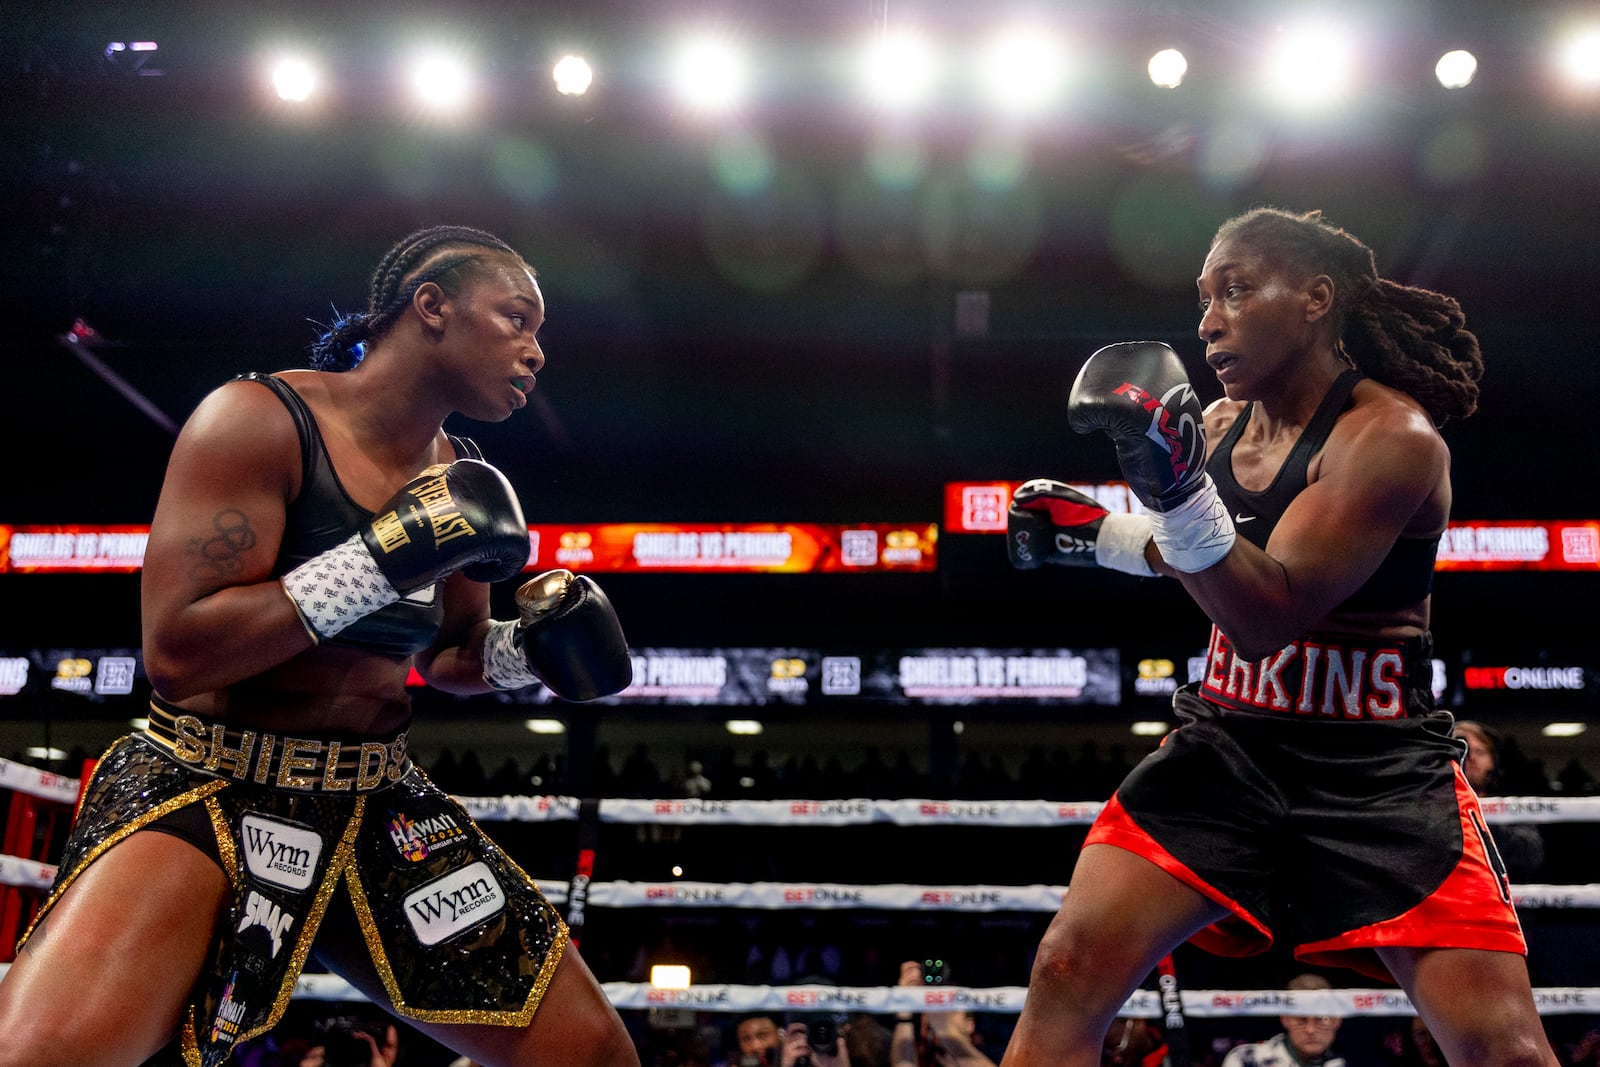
point(444, 516)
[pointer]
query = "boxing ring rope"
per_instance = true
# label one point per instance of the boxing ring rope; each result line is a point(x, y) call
point(774, 896)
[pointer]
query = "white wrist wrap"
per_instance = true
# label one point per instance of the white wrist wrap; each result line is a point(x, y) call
point(1195, 534)
point(339, 586)
point(504, 665)
point(1120, 543)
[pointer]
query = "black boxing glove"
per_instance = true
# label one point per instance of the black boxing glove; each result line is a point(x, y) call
point(568, 637)
point(1136, 392)
point(461, 516)
point(1051, 522)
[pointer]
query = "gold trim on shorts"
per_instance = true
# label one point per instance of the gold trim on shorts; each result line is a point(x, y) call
point(380, 961)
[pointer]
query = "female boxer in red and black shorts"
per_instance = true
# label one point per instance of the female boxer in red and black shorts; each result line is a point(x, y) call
point(1311, 793)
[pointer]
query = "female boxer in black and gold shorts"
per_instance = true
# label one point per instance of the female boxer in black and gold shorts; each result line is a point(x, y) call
point(318, 537)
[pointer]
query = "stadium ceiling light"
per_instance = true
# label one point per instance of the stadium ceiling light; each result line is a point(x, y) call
point(1310, 64)
point(1167, 68)
point(441, 81)
point(1021, 70)
point(899, 70)
point(1563, 729)
point(744, 727)
point(711, 75)
point(1149, 728)
point(1456, 69)
point(1579, 58)
point(572, 75)
point(294, 79)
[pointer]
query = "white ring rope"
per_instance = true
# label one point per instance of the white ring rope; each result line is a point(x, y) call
point(22, 778)
point(860, 812)
point(1197, 1003)
point(852, 812)
point(1145, 1003)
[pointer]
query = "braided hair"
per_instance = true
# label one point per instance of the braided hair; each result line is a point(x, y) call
point(1409, 338)
point(441, 254)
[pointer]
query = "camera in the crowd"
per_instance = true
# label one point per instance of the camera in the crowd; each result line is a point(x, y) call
point(822, 1029)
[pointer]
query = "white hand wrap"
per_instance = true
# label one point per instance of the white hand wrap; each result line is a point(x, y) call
point(1120, 544)
point(505, 665)
point(337, 587)
point(1195, 534)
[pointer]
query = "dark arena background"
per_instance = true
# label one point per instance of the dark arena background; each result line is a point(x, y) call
point(800, 341)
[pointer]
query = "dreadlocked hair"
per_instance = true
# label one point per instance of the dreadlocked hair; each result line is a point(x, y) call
point(1409, 338)
point(441, 254)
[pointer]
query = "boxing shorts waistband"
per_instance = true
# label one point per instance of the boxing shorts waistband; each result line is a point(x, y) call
point(1323, 677)
point(320, 764)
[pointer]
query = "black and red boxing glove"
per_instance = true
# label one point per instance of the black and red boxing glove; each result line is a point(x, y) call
point(461, 516)
point(568, 636)
point(1051, 522)
point(1136, 392)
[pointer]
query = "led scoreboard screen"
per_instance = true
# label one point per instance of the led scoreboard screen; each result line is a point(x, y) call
point(618, 547)
point(777, 547)
point(1522, 545)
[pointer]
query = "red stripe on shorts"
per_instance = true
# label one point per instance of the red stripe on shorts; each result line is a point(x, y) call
point(1241, 935)
point(1472, 907)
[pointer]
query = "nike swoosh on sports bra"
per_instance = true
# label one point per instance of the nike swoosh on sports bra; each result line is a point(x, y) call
point(1406, 574)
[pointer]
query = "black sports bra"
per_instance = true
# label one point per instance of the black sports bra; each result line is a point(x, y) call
point(1406, 574)
point(323, 515)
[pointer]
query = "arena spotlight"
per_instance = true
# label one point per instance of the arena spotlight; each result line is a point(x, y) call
point(710, 75)
point(572, 75)
point(1456, 69)
point(1310, 64)
point(1167, 68)
point(743, 727)
point(899, 70)
point(441, 81)
point(1579, 58)
point(1021, 70)
point(1563, 729)
point(1149, 728)
point(294, 79)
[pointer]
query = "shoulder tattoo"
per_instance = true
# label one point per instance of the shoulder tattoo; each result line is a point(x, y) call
point(218, 556)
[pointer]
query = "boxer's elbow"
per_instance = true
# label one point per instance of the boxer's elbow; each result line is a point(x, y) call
point(180, 668)
point(169, 675)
